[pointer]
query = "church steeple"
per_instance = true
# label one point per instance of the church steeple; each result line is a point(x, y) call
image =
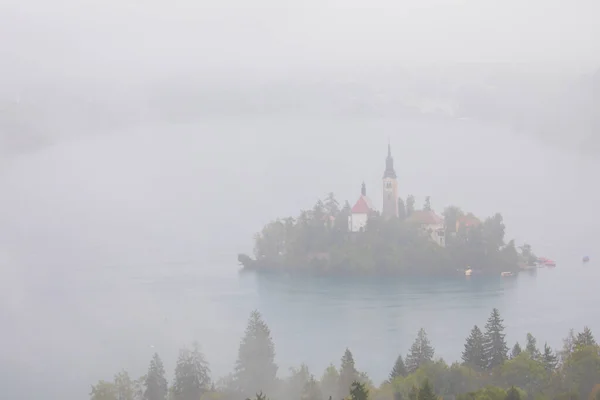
point(389, 165)
point(390, 187)
point(363, 189)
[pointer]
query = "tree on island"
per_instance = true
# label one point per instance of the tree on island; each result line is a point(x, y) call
point(420, 352)
point(495, 348)
point(156, 386)
point(427, 205)
point(410, 205)
point(474, 352)
point(401, 209)
point(255, 369)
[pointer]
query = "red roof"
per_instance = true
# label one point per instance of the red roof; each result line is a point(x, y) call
point(468, 220)
point(362, 206)
point(426, 217)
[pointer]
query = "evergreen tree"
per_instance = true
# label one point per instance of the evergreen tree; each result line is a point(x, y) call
point(329, 381)
point(427, 205)
point(495, 348)
point(399, 369)
point(413, 393)
point(104, 390)
point(311, 390)
point(358, 391)
point(426, 391)
point(155, 384)
point(584, 338)
point(568, 345)
point(474, 355)
point(420, 352)
point(401, 209)
point(348, 374)
point(531, 347)
point(516, 350)
point(255, 368)
point(512, 394)
point(410, 205)
point(192, 375)
point(549, 359)
point(332, 207)
point(124, 386)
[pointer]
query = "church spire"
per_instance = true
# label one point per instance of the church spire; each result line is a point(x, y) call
point(363, 189)
point(389, 164)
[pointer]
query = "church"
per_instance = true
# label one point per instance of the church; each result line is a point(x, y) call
point(430, 223)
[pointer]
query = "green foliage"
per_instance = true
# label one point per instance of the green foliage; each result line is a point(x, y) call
point(549, 359)
point(156, 386)
point(255, 368)
point(348, 374)
point(584, 338)
point(192, 375)
point(399, 369)
point(358, 391)
point(474, 353)
point(531, 347)
point(104, 390)
point(329, 381)
point(311, 390)
point(516, 350)
point(318, 241)
point(495, 348)
point(420, 352)
point(512, 394)
point(426, 391)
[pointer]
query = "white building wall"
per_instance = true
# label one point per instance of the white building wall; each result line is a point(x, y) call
point(356, 222)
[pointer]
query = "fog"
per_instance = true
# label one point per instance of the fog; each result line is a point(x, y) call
point(137, 138)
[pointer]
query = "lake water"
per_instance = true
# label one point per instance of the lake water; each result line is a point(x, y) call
point(117, 246)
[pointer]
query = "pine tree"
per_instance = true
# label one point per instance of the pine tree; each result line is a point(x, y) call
point(426, 391)
point(549, 359)
point(495, 348)
point(398, 370)
point(348, 374)
point(156, 387)
point(192, 375)
point(124, 386)
point(410, 205)
point(531, 347)
point(311, 390)
point(427, 205)
point(420, 352)
point(401, 209)
point(584, 338)
point(473, 355)
point(358, 391)
point(255, 368)
point(516, 350)
point(512, 394)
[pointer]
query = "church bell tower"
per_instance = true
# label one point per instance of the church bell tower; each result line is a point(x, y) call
point(390, 188)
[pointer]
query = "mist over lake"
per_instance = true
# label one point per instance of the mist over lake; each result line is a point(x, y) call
point(113, 243)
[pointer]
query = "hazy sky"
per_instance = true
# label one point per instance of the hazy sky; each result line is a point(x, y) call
point(107, 39)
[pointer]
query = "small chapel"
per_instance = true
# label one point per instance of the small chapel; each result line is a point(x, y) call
point(430, 223)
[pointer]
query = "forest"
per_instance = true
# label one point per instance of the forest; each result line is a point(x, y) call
point(487, 370)
point(318, 241)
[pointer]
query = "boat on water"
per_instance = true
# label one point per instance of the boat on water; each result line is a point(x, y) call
point(586, 259)
point(506, 273)
point(546, 262)
point(468, 272)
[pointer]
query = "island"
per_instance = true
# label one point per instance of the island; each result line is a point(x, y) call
point(400, 240)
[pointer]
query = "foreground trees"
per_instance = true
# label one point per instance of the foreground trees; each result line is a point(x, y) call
point(486, 373)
